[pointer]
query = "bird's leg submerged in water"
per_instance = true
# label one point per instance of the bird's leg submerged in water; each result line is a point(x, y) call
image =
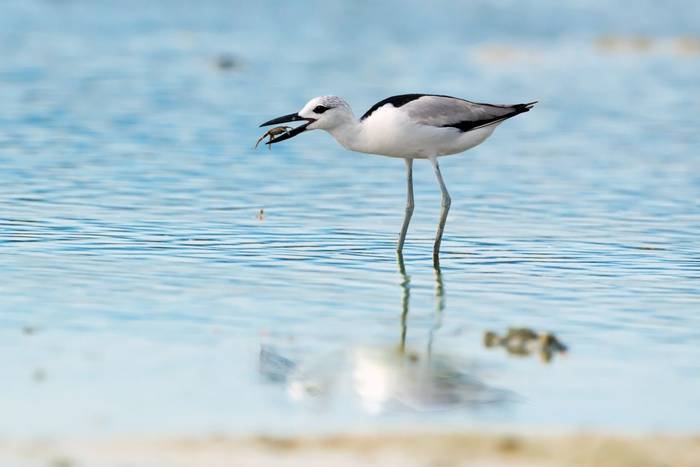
point(409, 203)
point(446, 201)
point(405, 298)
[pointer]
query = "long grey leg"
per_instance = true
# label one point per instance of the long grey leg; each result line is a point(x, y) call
point(409, 203)
point(446, 201)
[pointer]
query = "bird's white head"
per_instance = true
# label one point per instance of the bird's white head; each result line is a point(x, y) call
point(328, 113)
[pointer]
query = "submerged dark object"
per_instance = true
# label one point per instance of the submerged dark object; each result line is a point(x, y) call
point(525, 342)
point(226, 62)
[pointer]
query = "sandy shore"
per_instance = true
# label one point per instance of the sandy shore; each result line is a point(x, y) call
point(428, 450)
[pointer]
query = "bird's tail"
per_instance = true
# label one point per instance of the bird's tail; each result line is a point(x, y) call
point(520, 108)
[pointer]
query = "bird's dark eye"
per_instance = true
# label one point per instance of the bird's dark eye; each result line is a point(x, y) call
point(319, 109)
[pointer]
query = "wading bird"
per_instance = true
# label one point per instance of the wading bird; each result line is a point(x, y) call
point(409, 126)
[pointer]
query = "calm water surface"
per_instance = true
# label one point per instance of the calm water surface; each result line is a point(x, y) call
point(142, 293)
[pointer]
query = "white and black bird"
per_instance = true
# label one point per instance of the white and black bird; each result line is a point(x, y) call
point(409, 126)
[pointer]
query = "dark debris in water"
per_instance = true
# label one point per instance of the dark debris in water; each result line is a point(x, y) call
point(227, 62)
point(524, 342)
point(39, 375)
point(62, 462)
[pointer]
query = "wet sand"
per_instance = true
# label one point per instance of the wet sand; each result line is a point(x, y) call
point(405, 450)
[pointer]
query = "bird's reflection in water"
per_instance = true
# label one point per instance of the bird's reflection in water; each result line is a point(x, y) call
point(273, 365)
point(389, 378)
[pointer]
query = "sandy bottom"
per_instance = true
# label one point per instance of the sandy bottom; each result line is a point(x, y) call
point(426, 450)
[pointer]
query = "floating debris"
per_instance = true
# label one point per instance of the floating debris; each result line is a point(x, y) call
point(525, 342)
point(39, 375)
point(226, 62)
point(679, 45)
point(624, 43)
point(29, 330)
point(61, 462)
point(272, 133)
point(688, 45)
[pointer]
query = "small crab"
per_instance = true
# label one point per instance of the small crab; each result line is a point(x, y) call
point(272, 133)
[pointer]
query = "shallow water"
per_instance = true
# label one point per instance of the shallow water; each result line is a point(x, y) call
point(142, 293)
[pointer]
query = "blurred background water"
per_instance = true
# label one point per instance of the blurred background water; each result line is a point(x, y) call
point(142, 292)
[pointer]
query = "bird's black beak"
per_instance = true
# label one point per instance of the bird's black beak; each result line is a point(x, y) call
point(286, 119)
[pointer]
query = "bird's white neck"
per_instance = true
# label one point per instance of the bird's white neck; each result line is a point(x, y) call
point(348, 134)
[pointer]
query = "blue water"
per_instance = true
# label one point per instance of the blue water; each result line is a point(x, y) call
point(143, 293)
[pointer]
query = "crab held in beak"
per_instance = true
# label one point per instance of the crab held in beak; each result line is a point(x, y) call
point(295, 117)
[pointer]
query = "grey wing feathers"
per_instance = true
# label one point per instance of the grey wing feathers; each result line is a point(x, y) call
point(443, 111)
